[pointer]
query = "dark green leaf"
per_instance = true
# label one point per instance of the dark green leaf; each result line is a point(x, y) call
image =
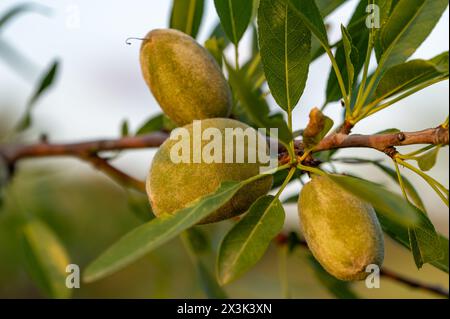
point(350, 55)
point(154, 124)
point(47, 259)
point(124, 128)
point(409, 187)
point(422, 240)
point(291, 199)
point(44, 84)
point(187, 16)
point(318, 127)
point(285, 44)
point(357, 36)
point(339, 289)
point(235, 16)
point(405, 76)
point(219, 33)
point(248, 240)
point(385, 202)
point(144, 238)
point(428, 160)
point(408, 26)
point(255, 107)
point(198, 240)
point(308, 11)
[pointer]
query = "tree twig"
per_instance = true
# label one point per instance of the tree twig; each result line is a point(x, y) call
point(384, 142)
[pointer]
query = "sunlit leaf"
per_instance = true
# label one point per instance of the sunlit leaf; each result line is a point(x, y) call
point(247, 241)
point(408, 26)
point(153, 234)
point(285, 44)
point(47, 259)
point(216, 46)
point(44, 85)
point(385, 202)
point(409, 187)
point(187, 16)
point(235, 16)
point(428, 160)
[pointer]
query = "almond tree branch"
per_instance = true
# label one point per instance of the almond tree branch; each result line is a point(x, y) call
point(385, 142)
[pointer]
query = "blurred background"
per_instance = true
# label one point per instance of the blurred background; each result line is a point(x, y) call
point(99, 86)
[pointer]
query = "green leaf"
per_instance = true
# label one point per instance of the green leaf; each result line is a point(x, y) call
point(47, 259)
point(408, 26)
point(153, 234)
point(187, 16)
point(339, 289)
point(426, 245)
point(216, 46)
point(409, 187)
point(328, 6)
point(389, 131)
point(350, 55)
point(154, 124)
point(357, 37)
point(197, 245)
point(385, 202)
point(255, 107)
point(405, 76)
point(308, 11)
point(124, 128)
point(428, 160)
point(44, 84)
point(139, 205)
point(17, 10)
point(247, 241)
point(285, 45)
point(235, 16)
point(318, 127)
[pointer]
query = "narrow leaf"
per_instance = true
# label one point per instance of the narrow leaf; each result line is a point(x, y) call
point(408, 26)
point(405, 76)
point(235, 16)
point(285, 44)
point(255, 107)
point(187, 16)
point(216, 46)
point(47, 259)
point(328, 6)
point(308, 11)
point(44, 84)
point(410, 189)
point(349, 50)
point(422, 240)
point(247, 241)
point(144, 238)
point(357, 37)
point(154, 124)
point(339, 289)
point(428, 160)
point(385, 202)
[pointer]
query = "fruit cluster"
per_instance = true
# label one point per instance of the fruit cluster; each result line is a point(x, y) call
point(342, 232)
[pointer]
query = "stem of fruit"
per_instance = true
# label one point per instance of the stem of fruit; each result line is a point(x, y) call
point(310, 169)
point(338, 73)
point(286, 182)
point(437, 187)
point(400, 180)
